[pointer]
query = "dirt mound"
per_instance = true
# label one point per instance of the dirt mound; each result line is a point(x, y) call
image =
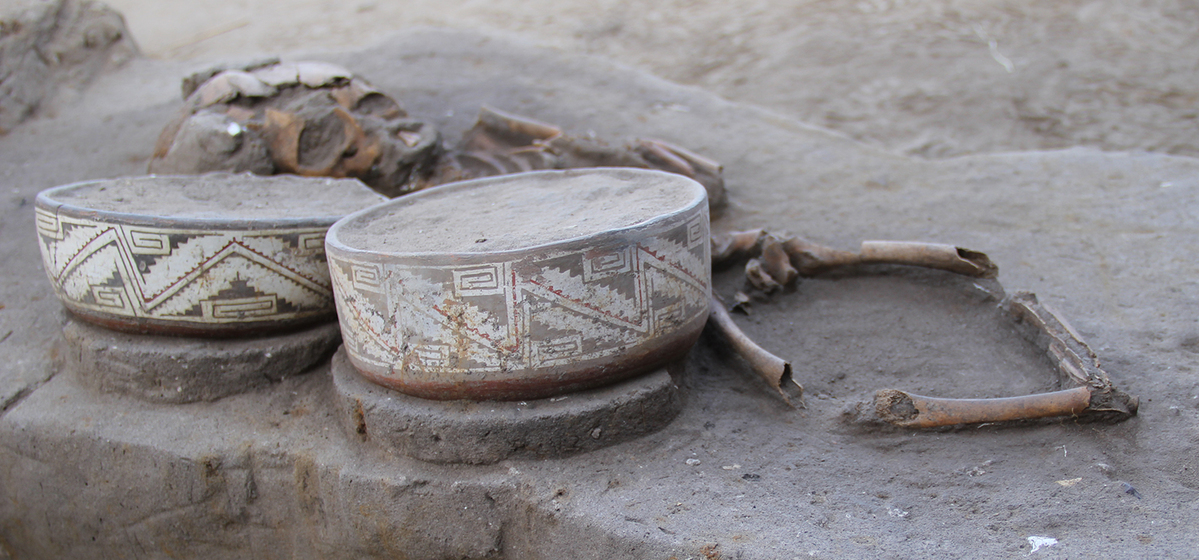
point(45, 46)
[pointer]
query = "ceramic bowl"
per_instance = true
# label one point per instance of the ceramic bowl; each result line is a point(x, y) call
point(524, 286)
point(209, 255)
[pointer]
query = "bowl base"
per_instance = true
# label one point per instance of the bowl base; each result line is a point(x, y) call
point(172, 369)
point(485, 432)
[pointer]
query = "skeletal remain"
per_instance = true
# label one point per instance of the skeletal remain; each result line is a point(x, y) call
point(319, 119)
point(908, 410)
point(502, 143)
point(929, 255)
point(313, 118)
point(773, 369)
point(774, 263)
point(1091, 392)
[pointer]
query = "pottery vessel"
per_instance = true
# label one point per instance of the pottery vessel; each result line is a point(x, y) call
point(209, 255)
point(524, 286)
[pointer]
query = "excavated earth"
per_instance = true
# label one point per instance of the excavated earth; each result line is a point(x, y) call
point(1107, 238)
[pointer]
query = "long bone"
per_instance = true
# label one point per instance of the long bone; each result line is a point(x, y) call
point(773, 369)
point(908, 410)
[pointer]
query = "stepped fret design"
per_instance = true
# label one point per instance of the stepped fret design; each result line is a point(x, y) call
point(554, 308)
point(201, 277)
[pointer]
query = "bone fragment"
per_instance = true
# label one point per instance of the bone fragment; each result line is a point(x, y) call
point(786, 259)
point(773, 369)
point(1077, 363)
point(697, 162)
point(671, 159)
point(354, 92)
point(776, 262)
point(194, 81)
point(283, 131)
point(525, 130)
point(230, 84)
point(278, 75)
point(659, 154)
point(908, 410)
point(741, 303)
point(759, 278)
point(811, 258)
point(929, 255)
point(735, 245)
point(318, 74)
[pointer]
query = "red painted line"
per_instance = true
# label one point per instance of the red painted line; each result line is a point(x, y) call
point(581, 303)
point(674, 266)
point(281, 265)
point(366, 326)
point(476, 331)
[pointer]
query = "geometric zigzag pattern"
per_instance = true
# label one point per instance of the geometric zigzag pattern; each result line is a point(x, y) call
point(197, 277)
point(544, 310)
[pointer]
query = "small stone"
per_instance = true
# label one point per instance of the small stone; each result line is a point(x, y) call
point(1130, 490)
point(1037, 543)
point(1108, 470)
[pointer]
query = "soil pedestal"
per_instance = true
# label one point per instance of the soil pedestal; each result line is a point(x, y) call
point(490, 431)
point(177, 370)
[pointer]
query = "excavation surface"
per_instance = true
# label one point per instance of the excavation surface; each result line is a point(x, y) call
point(1107, 238)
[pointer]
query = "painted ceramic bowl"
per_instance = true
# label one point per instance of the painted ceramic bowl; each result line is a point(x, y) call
point(208, 255)
point(524, 286)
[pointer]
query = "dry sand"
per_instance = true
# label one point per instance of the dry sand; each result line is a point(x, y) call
point(931, 78)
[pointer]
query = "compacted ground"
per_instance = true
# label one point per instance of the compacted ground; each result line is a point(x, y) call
point(839, 121)
point(932, 78)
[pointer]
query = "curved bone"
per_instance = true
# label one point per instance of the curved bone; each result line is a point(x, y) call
point(807, 258)
point(929, 255)
point(773, 369)
point(1092, 394)
point(778, 263)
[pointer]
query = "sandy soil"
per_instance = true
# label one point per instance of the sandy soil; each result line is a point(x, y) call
point(929, 78)
point(932, 79)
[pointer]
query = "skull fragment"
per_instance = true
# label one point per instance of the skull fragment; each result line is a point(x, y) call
point(305, 118)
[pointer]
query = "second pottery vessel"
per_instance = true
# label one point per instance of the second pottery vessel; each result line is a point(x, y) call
point(524, 286)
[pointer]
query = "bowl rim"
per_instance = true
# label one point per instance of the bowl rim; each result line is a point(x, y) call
point(333, 243)
point(45, 201)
